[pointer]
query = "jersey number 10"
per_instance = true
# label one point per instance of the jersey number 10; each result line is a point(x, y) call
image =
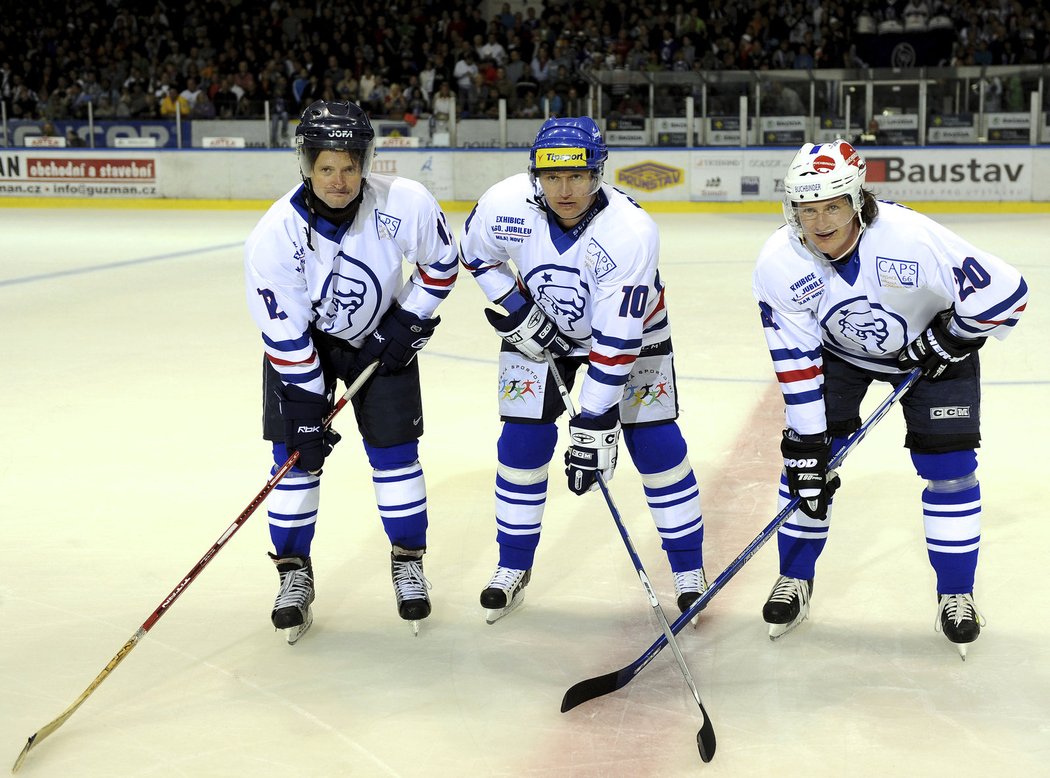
point(634, 300)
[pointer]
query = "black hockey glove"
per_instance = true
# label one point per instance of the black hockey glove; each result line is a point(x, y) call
point(530, 331)
point(303, 413)
point(592, 450)
point(396, 340)
point(806, 465)
point(936, 349)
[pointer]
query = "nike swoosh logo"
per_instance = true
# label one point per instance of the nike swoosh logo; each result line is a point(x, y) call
point(417, 420)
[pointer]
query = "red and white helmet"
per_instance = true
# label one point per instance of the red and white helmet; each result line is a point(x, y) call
point(823, 171)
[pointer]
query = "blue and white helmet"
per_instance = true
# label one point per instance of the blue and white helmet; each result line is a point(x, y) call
point(569, 144)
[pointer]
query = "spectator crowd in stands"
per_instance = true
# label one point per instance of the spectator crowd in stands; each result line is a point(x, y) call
point(408, 58)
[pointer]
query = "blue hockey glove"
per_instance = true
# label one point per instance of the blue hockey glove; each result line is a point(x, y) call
point(806, 466)
point(936, 349)
point(592, 450)
point(530, 331)
point(303, 413)
point(396, 340)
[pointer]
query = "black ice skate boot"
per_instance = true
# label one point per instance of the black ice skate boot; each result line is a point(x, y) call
point(959, 619)
point(787, 605)
point(291, 609)
point(504, 593)
point(410, 587)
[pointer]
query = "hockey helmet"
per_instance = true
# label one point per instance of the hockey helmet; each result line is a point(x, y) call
point(569, 144)
point(823, 171)
point(335, 125)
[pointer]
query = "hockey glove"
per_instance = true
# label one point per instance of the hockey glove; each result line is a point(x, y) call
point(530, 331)
point(593, 449)
point(806, 466)
point(303, 413)
point(396, 340)
point(936, 349)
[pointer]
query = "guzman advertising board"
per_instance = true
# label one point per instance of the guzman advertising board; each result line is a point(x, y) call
point(77, 175)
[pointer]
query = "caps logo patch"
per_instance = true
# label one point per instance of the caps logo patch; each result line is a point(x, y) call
point(387, 225)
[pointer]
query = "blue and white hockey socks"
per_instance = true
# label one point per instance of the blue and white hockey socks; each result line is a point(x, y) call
point(292, 508)
point(951, 515)
point(659, 453)
point(401, 493)
point(801, 539)
point(524, 452)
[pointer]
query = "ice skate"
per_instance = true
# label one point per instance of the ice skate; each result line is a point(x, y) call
point(410, 586)
point(787, 605)
point(689, 585)
point(959, 620)
point(291, 609)
point(505, 592)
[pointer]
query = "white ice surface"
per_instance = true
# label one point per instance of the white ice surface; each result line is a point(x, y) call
point(130, 412)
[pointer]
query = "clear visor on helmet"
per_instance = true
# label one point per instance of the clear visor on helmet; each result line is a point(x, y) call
point(307, 152)
point(584, 177)
point(820, 216)
point(575, 182)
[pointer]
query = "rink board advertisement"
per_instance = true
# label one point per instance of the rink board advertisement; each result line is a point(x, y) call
point(68, 173)
point(731, 175)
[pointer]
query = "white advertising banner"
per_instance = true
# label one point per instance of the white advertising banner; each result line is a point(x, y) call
point(975, 173)
point(715, 175)
point(66, 173)
point(950, 174)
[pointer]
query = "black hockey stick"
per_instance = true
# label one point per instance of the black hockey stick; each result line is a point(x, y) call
point(611, 682)
point(175, 593)
point(705, 738)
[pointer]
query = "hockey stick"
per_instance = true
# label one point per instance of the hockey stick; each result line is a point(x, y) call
point(154, 617)
point(705, 738)
point(611, 682)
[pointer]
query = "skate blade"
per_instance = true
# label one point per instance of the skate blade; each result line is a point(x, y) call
point(777, 631)
point(293, 634)
point(415, 628)
point(962, 650)
point(492, 615)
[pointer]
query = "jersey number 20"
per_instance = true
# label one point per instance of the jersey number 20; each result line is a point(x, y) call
point(970, 277)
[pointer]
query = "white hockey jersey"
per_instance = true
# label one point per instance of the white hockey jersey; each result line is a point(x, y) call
point(598, 281)
point(351, 276)
point(905, 270)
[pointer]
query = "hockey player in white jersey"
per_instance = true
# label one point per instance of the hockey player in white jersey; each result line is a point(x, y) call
point(324, 285)
point(574, 262)
point(854, 290)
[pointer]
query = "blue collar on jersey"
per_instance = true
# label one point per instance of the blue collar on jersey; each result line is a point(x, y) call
point(849, 269)
point(323, 227)
point(564, 240)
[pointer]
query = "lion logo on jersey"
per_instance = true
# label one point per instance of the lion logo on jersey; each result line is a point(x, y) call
point(565, 302)
point(860, 326)
point(349, 300)
point(862, 329)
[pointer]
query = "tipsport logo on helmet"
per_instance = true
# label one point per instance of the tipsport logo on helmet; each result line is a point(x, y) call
point(560, 158)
